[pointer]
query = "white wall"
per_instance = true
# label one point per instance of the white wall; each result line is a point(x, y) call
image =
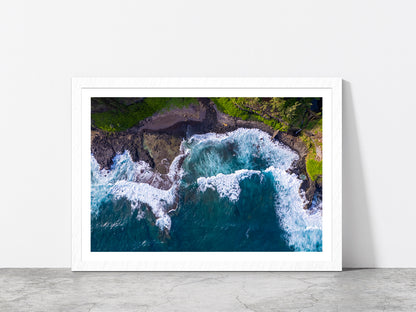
point(371, 44)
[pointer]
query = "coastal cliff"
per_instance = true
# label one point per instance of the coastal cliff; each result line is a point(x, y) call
point(156, 139)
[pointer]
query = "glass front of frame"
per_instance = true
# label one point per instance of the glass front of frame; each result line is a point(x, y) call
point(207, 174)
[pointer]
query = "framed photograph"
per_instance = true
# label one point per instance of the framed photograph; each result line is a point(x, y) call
point(197, 174)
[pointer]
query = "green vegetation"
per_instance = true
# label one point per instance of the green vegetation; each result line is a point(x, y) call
point(283, 114)
point(279, 113)
point(236, 107)
point(227, 106)
point(313, 163)
point(120, 117)
point(314, 168)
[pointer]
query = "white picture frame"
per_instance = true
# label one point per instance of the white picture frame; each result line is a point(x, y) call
point(330, 259)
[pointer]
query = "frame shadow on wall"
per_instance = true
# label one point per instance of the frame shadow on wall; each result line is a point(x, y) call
point(358, 242)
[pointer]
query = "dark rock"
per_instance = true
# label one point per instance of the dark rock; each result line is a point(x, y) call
point(153, 142)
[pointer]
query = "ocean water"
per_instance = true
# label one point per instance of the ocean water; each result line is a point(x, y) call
point(223, 192)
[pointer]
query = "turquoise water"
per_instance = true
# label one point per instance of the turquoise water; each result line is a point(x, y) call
point(232, 193)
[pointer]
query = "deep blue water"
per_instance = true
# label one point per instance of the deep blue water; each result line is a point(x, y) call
point(232, 193)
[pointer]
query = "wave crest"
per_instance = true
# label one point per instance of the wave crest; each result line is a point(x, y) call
point(227, 185)
point(218, 162)
point(253, 147)
point(137, 182)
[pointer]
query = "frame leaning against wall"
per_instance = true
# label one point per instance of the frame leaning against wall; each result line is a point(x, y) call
point(330, 259)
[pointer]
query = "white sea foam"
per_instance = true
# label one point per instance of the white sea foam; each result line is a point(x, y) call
point(249, 143)
point(227, 185)
point(103, 180)
point(158, 200)
point(303, 227)
point(137, 182)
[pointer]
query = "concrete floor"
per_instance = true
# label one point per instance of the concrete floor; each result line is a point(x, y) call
point(351, 290)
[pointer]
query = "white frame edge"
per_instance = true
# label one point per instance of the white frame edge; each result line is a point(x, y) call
point(335, 84)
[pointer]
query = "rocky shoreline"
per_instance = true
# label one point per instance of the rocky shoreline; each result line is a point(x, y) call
point(156, 140)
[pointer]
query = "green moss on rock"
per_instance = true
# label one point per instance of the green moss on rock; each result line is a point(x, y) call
point(314, 168)
point(122, 117)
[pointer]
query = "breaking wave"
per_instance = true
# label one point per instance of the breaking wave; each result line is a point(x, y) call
point(137, 182)
point(253, 152)
point(227, 185)
point(219, 163)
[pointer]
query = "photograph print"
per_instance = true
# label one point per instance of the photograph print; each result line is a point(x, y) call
point(209, 174)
